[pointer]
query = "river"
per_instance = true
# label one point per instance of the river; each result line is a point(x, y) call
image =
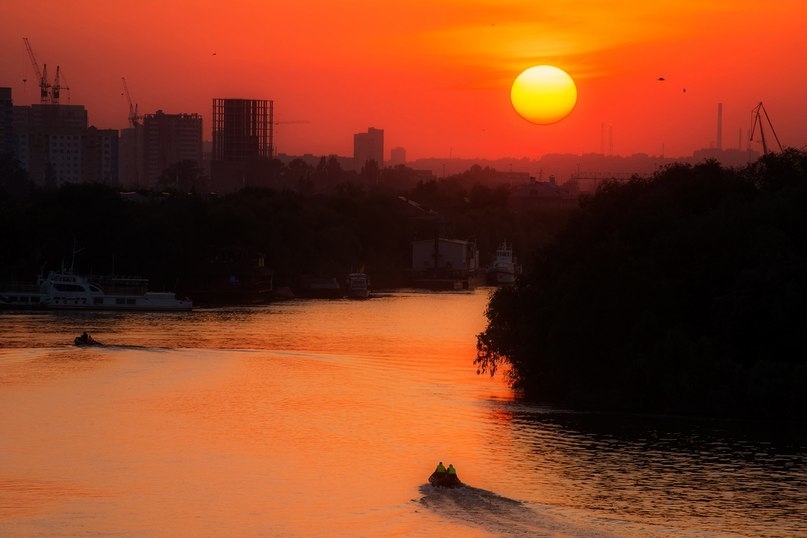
point(325, 418)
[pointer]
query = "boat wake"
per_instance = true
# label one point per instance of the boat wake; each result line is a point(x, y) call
point(494, 515)
point(124, 347)
point(485, 510)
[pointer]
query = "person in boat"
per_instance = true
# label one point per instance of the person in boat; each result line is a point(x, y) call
point(445, 478)
point(85, 339)
point(438, 476)
point(451, 479)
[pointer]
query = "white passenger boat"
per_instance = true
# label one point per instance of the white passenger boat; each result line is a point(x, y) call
point(68, 291)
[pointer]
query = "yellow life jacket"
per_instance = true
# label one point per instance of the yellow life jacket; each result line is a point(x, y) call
point(451, 470)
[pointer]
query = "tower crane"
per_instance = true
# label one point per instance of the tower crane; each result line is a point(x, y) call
point(48, 93)
point(56, 88)
point(134, 117)
point(42, 76)
point(758, 112)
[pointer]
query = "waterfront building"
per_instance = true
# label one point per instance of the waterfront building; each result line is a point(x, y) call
point(445, 264)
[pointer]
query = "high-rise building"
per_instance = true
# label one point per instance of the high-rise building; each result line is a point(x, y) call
point(397, 156)
point(50, 142)
point(130, 157)
point(100, 151)
point(243, 142)
point(169, 139)
point(368, 146)
point(6, 122)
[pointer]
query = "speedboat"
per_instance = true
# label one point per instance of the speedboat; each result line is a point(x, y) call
point(444, 480)
point(86, 340)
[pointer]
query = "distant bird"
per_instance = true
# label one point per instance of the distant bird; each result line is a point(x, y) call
point(661, 78)
point(685, 90)
point(214, 54)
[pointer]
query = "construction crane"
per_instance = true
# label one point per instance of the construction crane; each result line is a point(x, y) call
point(134, 117)
point(48, 93)
point(42, 76)
point(758, 112)
point(56, 88)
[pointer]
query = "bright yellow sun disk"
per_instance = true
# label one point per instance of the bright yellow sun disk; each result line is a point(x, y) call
point(543, 94)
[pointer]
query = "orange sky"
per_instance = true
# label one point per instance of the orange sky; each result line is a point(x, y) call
point(434, 74)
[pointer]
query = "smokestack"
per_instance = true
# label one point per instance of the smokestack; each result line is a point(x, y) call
point(610, 140)
point(602, 138)
point(719, 126)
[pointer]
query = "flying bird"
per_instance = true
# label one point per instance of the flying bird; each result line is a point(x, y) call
point(661, 78)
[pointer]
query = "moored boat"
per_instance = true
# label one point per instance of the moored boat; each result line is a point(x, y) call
point(313, 287)
point(505, 268)
point(23, 297)
point(67, 291)
point(358, 286)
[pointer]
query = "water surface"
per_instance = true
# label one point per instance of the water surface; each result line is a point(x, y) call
point(325, 418)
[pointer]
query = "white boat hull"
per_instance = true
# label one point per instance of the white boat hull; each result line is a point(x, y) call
point(66, 291)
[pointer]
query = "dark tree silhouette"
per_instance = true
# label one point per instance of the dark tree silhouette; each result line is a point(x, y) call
point(681, 293)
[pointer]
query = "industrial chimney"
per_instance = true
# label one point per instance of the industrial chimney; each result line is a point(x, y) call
point(719, 126)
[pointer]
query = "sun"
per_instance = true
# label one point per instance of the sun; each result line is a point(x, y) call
point(543, 94)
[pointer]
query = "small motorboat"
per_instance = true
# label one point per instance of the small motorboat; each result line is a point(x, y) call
point(86, 340)
point(444, 480)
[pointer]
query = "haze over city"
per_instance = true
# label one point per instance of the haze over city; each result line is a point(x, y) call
point(436, 76)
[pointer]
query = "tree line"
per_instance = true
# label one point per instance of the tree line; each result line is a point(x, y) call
point(317, 222)
point(685, 292)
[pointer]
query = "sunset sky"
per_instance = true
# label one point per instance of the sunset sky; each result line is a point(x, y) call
point(434, 74)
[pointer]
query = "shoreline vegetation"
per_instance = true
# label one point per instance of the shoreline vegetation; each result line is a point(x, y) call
point(320, 222)
point(683, 293)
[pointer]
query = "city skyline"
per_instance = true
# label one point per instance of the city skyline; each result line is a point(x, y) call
point(435, 77)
